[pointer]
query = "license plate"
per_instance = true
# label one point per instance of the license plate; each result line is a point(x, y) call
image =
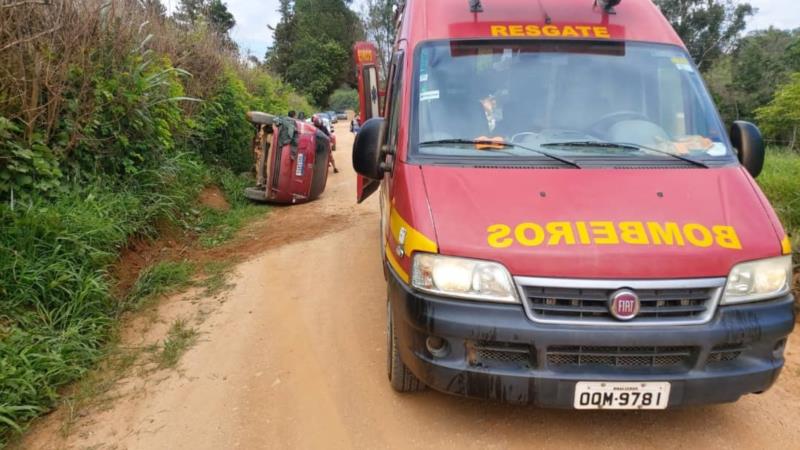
point(619, 395)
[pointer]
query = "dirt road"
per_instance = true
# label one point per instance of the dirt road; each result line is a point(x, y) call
point(295, 358)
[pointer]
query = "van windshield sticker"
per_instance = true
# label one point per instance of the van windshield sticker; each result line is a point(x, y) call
point(566, 31)
point(682, 64)
point(531, 234)
point(430, 95)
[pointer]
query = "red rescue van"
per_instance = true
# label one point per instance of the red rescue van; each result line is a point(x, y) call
point(565, 219)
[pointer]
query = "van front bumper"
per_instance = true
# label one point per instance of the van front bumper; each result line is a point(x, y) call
point(493, 351)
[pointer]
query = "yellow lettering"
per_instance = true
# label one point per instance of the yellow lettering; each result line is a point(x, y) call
point(559, 230)
point(633, 233)
point(530, 234)
point(515, 30)
point(498, 236)
point(522, 237)
point(550, 30)
point(569, 31)
point(601, 32)
point(704, 239)
point(583, 233)
point(533, 30)
point(585, 30)
point(604, 232)
point(499, 30)
point(726, 237)
point(668, 234)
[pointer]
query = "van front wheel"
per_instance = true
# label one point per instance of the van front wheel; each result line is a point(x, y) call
point(401, 379)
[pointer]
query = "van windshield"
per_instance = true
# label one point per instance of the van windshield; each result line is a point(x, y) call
point(567, 99)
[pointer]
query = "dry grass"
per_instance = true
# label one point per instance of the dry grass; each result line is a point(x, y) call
point(49, 49)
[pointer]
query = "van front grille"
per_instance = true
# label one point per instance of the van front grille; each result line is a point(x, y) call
point(620, 357)
point(660, 302)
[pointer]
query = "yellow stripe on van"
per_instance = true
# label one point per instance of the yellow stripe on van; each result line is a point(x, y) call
point(396, 264)
point(786, 246)
point(415, 241)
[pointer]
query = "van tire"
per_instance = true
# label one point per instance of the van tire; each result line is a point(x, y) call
point(401, 379)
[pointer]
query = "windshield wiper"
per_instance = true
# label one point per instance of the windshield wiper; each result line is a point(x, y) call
point(498, 144)
point(624, 145)
point(466, 142)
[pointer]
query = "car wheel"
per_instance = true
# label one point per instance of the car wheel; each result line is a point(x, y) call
point(401, 379)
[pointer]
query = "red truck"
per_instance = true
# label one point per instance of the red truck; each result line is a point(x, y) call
point(564, 219)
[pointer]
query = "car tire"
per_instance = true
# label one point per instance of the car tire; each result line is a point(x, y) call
point(401, 379)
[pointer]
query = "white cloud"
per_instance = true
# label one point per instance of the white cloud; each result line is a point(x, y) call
point(252, 18)
point(783, 14)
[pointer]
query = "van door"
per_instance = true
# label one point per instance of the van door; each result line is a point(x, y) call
point(392, 113)
point(369, 102)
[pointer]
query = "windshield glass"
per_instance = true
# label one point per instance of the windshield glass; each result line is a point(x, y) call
point(638, 100)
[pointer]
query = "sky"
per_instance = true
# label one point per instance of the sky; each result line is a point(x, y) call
point(253, 16)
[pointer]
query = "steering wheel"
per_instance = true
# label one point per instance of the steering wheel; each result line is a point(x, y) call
point(602, 124)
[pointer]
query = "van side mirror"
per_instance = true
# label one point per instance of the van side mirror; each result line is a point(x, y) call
point(749, 144)
point(367, 155)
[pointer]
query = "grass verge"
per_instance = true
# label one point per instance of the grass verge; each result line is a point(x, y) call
point(58, 311)
point(179, 339)
point(159, 279)
point(780, 182)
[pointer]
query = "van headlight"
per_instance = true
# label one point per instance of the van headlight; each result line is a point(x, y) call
point(758, 280)
point(465, 278)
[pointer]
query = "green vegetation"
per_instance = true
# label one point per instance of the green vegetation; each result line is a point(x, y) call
point(343, 99)
point(159, 279)
point(709, 28)
point(216, 278)
point(312, 45)
point(780, 181)
point(113, 117)
point(781, 117)
point(180, 338)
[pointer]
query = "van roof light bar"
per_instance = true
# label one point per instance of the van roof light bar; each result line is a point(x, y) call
point(475, 6)
point(607, 5)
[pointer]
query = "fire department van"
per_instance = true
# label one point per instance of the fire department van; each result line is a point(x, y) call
point(565, 219)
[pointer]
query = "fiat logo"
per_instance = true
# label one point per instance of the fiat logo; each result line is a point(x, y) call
point(624, 304)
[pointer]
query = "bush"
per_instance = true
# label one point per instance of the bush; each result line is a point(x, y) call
point(780, 119)
point(344, 98)
point(220, 132)
point(781, 184)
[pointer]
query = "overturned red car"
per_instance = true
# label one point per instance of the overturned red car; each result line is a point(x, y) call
point(291, 159)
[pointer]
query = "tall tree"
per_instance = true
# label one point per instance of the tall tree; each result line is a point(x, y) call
point(749, 76)
point(211, 13)
point(220, 19)
point(378, 17)
point(279, 55)
point(189, 11)
point(709, 28)
point(311, 45)
point(780, 119)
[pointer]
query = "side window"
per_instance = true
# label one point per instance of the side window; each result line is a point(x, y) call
point(393, 105)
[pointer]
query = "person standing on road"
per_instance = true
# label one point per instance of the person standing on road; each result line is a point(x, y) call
point(322, 128)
